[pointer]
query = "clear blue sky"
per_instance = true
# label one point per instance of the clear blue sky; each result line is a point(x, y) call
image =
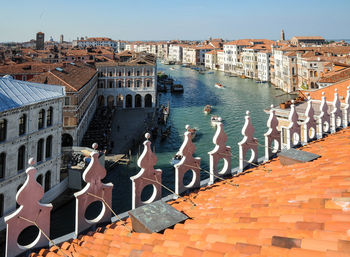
point(173, 19)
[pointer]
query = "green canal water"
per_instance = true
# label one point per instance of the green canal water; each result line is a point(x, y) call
point(230, 103)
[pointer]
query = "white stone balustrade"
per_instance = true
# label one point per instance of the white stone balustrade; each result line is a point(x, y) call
point(346, 110)
point(147, 176)
point(309, 126)
point(220, 152)
point(187, 164)
point(272, 136)
point(30, 213)
point(323, 119)
point(248, 143)
point(93, 191)
point(336, 113)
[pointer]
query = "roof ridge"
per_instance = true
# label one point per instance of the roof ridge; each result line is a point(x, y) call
point(63, 81)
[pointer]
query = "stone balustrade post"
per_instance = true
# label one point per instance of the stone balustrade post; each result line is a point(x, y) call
point(272, 136)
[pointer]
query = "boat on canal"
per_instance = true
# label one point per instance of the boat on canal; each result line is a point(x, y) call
point(218, 85)
point(207, 109)
point(193, 132)
point(176, 159)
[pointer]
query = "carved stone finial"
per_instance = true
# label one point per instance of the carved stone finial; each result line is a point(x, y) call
point(247, 113)
point(147, 136)
point(309, 125)
point(293, 101)
point(147, 176)
point(94, 146)
point(28, 197)
point(93, 175)
point(336, 90)
point(220, 119)
point(323, 117)
point(293, 129)
point(336, 113)
point(187, 127)
point(323, 93)
point(249, 142)
point(186, 164)
point(220, 152)
point(272, 135)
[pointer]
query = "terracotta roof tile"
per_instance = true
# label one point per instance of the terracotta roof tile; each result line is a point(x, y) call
point(300, 210)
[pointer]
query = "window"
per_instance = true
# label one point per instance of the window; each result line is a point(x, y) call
point(138, 73)
point(119, 84)
point(21, 158)
point(1, 205)
point(2, 164)
point(120, 73)
point(129, 73)
point(39, 152)
point(148, 83)
point(3, 129)
point(41, 119)
point(22, 125)
point(66, 101)
point(110, 85)
point(138, 83)
point(148, 73)
point(47, 181)
point(48, 149)
point(111, 74)
point(129, 83)
point(49, 117)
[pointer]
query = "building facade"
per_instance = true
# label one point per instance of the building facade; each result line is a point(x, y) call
point(29, 127)
point(80, 81)
point(129, 84)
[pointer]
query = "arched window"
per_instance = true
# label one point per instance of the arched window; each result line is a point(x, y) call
point(47, 181)
point(129, 83)
point(1, 205)
point(138, 73)
point(138, 82)
point(49, 117)
point(148, 73)
point(120, 84)
point(21, 158)
point(3, 129)
point(120, 73)
point(129, 73)
point(39, 152)
point(148, 83)
point(48, 148)
point(111, 84)
point(39, 179)
point(22, 125)
point(41, 119)
point(2, 164)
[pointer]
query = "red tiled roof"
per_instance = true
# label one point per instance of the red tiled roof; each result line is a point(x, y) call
point(73, 77)
point(336, 76)
point(298, 210)
point(26, 68)
point(310, 38)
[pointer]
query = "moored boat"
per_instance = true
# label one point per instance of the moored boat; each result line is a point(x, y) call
point(177, 88)
point(176, 159)
point(193, 132)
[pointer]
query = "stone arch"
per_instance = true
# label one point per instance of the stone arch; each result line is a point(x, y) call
point(110, 101)
point(312, 85)
point(67, 140)
point(119, 100)
point(138, 101)
point(39, 179)
point(101, 101)
point(148, 100)
point(128, 101)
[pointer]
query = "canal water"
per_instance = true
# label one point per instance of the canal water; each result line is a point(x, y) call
point(230, 103)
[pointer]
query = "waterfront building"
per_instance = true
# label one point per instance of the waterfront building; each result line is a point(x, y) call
point(30, 126)
point(40, 37)
point(211, 60)
point(307, 41)
point(176, 53)
point(130, 83)
point(263, 62)
point(190, 55)
point(220, 60)
point(285, 67)
point(232, 53)
point(163, 50)
point(80, 81)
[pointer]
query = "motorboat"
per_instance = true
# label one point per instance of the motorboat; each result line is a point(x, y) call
point(193, 132)
point(218, 85)
point(177, 88)
point(214, 120)
point(176, 159)
point(207, 109)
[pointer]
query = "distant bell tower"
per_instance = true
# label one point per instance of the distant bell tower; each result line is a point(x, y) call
point(282, 35)
point(40, 41)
